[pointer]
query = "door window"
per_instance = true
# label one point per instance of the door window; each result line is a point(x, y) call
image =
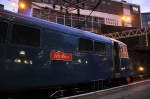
point(123, 51)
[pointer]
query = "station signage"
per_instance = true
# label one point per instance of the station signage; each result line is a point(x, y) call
point(135, 9)
point(54, 55)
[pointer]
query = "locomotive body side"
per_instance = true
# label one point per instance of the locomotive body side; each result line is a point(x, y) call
point(37, 54)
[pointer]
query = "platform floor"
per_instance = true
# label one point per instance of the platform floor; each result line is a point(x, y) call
point(137, 90)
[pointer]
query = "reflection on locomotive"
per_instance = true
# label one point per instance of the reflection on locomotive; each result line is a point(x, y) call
point(39, 54)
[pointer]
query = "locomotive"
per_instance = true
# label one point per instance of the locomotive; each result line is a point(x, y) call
point(36, 53)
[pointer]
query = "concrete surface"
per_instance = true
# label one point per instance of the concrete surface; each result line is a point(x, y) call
point(137, 90)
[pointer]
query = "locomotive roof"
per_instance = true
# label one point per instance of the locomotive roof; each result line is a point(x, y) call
point(36, 22)
point(117, 41)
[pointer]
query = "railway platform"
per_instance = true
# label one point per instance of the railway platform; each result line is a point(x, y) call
point(136, 90)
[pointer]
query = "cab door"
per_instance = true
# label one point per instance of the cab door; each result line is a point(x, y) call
point(116, 59)
point(125, 61)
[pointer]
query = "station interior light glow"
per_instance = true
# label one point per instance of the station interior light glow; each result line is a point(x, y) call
point(126, 18)
point(22, 5)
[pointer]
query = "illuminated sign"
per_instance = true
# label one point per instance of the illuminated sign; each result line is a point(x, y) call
point(135, 9)
point(60, 56)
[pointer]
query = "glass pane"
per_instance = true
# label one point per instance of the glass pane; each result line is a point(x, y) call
point(68, 22)
point(82, 17)
point(60, 20)
point(3, 31)
point(85, 45)
point(27, 36)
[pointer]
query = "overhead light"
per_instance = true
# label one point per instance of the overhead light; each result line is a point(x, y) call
point(22, 5)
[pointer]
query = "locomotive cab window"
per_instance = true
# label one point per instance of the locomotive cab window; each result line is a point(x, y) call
point(3, 31)
point(26, 36)
point(123, 51)
point(99, 47)
point(85, 45)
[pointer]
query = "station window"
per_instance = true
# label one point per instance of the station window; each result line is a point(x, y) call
point(27, 36)
point(104, 10)
point(53, 20)
point(74, 23)
point(144, 23)
point(45, 1)
point(38, 0)
point(68, 16)
point(68, 22)
point(60, 21)
point(85, 45)
point(103, 2)
point(148, 22)
point(148, 15)
point(99, 47)
point(3, 31)
point(82, 17)
point(109, 11)
point(86, 7)
point(108, 3)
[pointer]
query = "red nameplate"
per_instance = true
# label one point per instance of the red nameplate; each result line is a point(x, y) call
point(60, 56)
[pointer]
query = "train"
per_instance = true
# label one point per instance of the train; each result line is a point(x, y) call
point(36, 53)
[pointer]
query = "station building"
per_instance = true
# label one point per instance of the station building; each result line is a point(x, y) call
point(84, 14)
point(145, 19)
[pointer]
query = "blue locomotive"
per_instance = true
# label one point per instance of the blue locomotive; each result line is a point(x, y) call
point(35, 53)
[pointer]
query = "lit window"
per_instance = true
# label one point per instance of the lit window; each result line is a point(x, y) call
point(149, 23)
